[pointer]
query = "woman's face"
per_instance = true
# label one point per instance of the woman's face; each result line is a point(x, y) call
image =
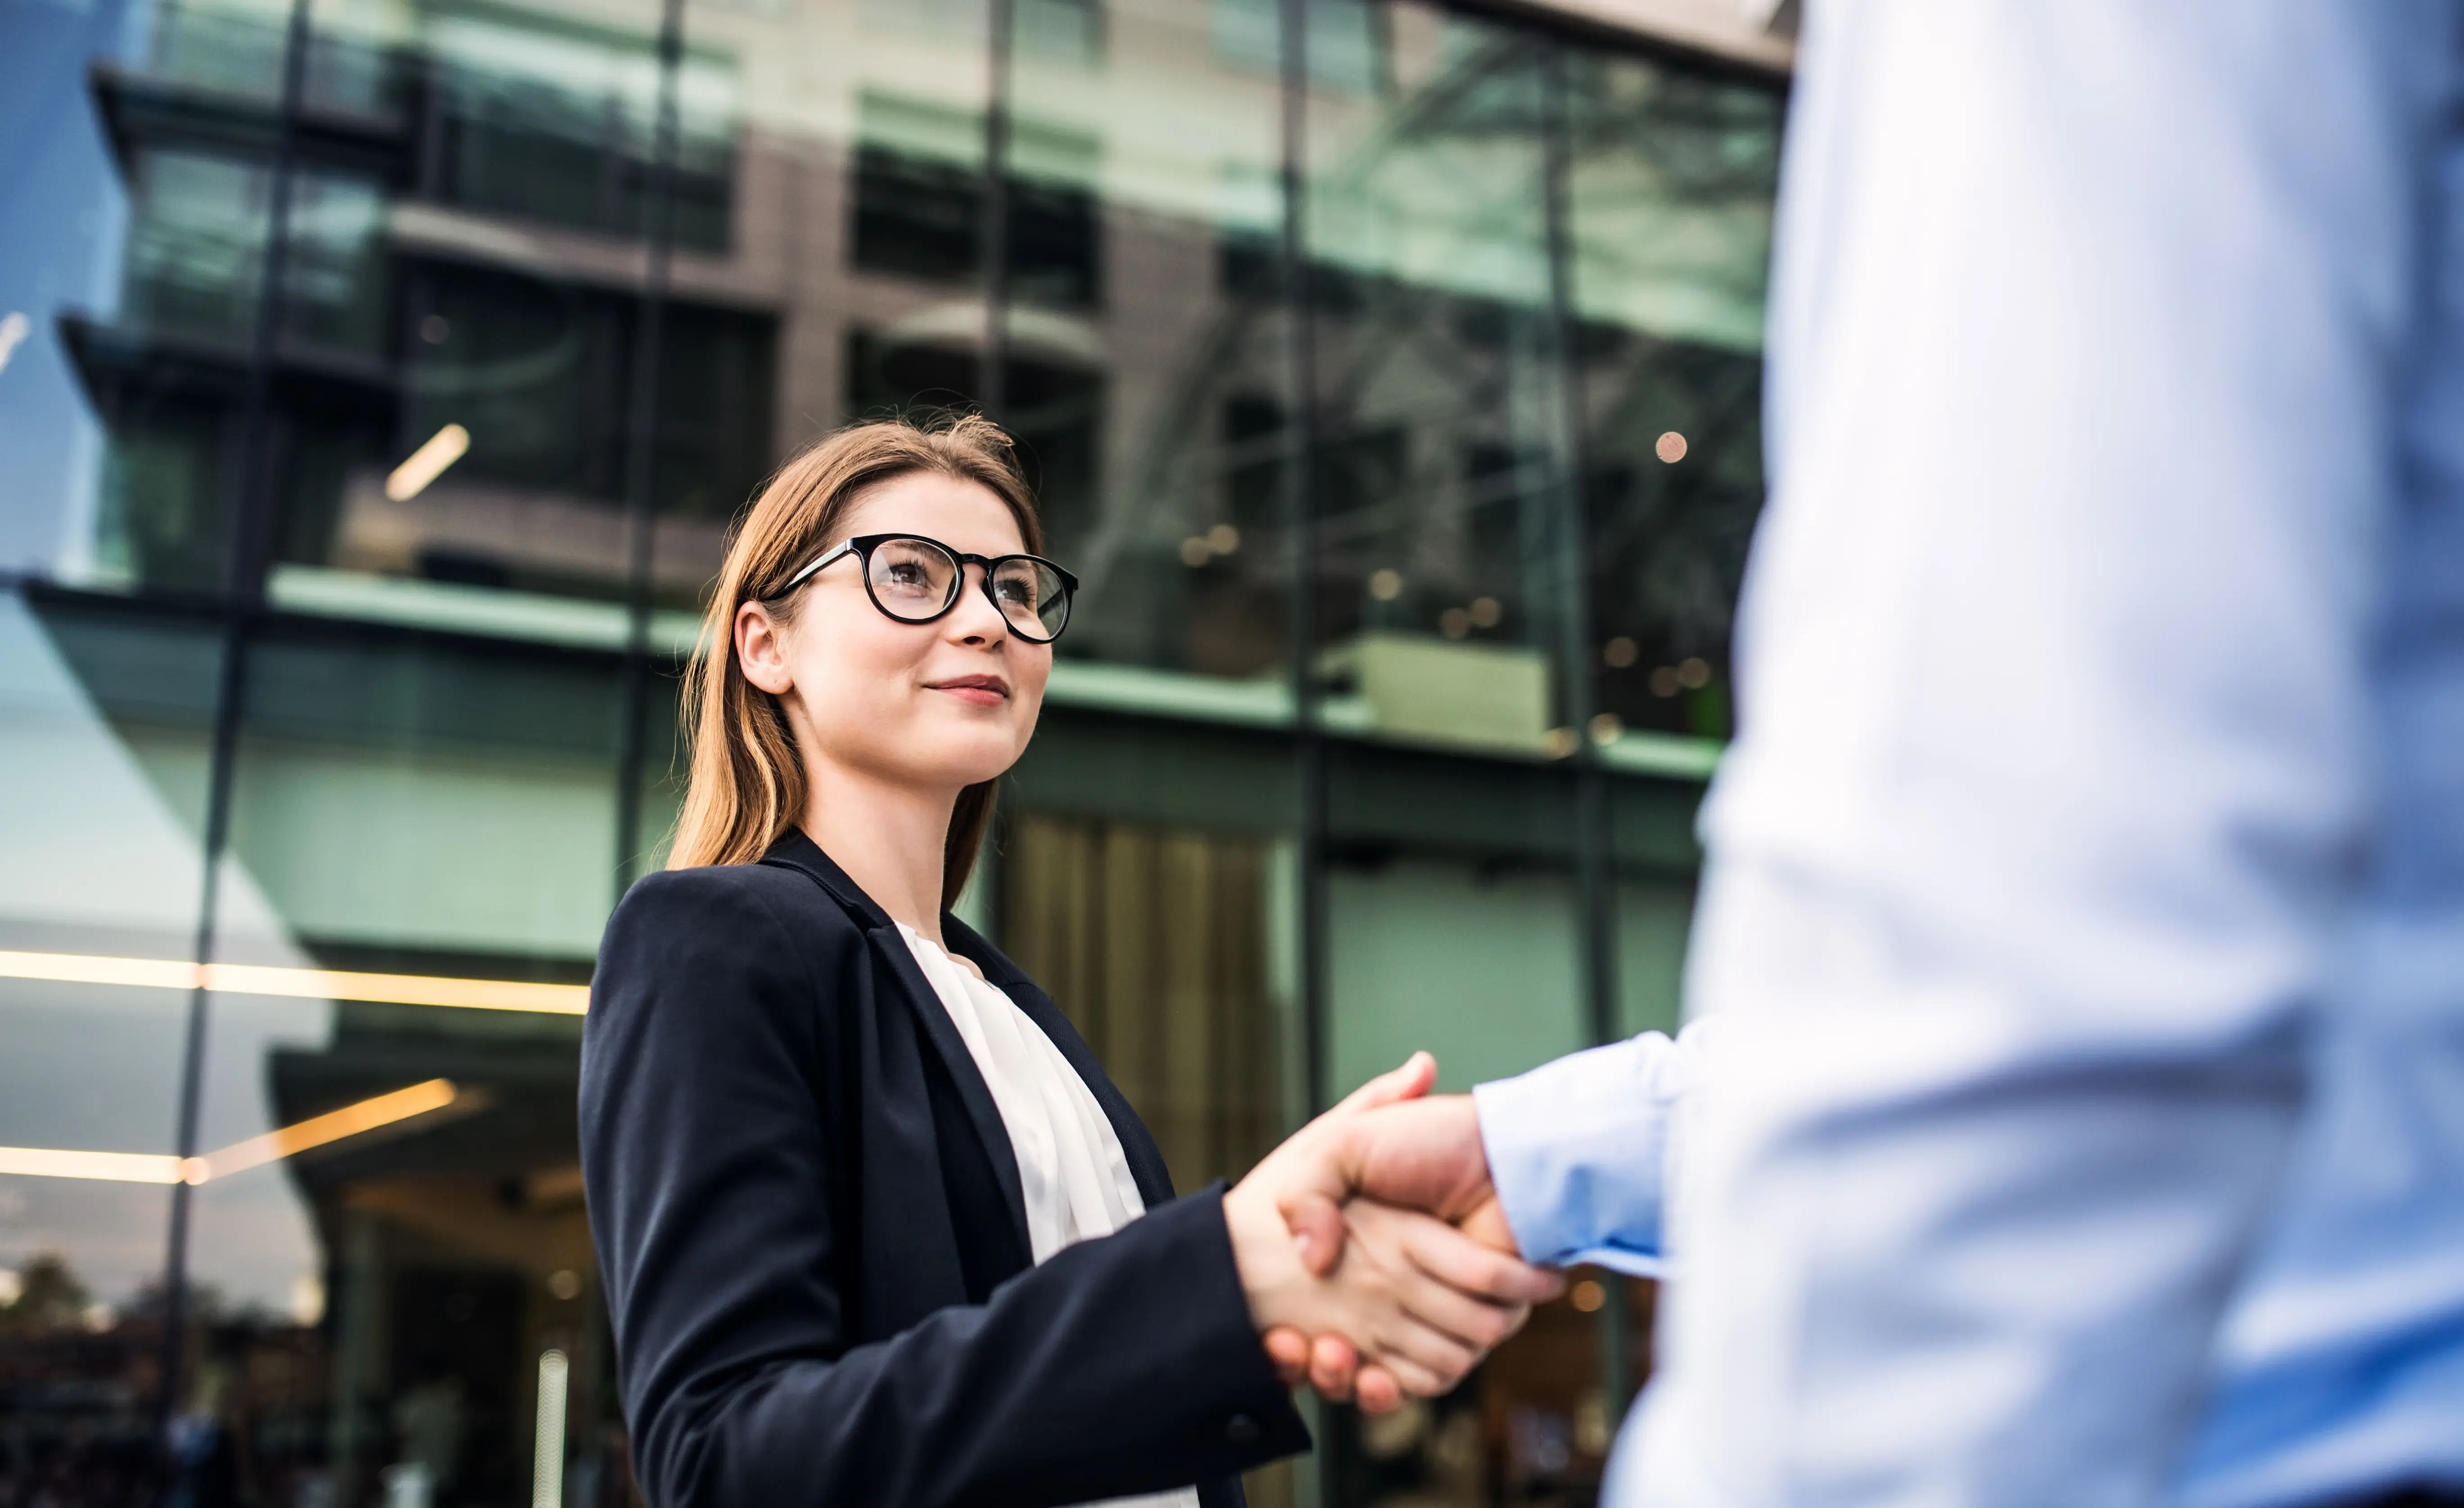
point(937, 706)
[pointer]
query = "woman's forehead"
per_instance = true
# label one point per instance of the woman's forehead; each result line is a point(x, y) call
point(968, 517)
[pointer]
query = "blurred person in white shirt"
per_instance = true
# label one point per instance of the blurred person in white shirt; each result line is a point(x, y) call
point(2084, 913)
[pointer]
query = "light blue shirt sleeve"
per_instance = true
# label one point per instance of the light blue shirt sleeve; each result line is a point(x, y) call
point(1581, 1151)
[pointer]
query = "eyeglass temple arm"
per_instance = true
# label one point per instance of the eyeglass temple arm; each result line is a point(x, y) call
point(802, 577)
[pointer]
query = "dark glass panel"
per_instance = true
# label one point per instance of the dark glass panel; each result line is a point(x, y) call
point(1669, 197)
point(1162, 458)
point(545, 118)
point(1055, 244)
point(1053, 413)
point(1441, 398)
point(917, 216)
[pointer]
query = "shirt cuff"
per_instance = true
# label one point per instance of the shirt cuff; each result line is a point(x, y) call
point(1575, 1150)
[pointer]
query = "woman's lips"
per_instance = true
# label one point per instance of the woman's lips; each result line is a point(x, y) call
point(976, 691)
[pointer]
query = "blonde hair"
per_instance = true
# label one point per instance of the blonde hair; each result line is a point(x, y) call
point(747, 785)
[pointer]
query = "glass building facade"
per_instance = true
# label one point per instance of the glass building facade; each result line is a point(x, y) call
point(378, 382)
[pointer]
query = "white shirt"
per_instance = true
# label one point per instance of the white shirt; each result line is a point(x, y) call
point(2085, 902)
point(1070, 1166)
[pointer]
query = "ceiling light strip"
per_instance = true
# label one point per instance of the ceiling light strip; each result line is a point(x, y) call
point(126, 1168)
point(306, 984)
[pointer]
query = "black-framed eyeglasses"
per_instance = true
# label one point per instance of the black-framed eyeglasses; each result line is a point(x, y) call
point(915, 581)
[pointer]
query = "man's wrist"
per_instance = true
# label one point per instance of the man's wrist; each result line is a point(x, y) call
point(1548, 1133)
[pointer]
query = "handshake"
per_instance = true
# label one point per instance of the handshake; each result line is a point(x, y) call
point(1372, 1247)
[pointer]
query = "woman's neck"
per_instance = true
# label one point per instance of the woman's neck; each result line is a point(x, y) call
point(889, 838)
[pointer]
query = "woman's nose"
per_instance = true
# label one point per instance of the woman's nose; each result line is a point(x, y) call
point(976, 618)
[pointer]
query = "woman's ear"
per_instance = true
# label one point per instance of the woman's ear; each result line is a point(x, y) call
point(761, 650)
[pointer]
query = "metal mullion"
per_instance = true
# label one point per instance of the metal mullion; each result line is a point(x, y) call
point(1301, 625)
point(1594, 836)
point(992, 239)
point(642, 450)
point(244, 593)
point(1301, 549)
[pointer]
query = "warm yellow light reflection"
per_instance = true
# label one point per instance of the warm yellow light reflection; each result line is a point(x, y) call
point(306, 984)
point(332, 1127)
point(146, 1168)
point(427, 463)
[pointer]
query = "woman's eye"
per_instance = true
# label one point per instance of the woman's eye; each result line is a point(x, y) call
point(1018, 592)
point(909, 575)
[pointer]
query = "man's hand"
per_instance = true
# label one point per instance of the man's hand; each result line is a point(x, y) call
point(1289, 1348)
point(1411, 1292)
point(1426, 1153)
point(1422, 1153)
point(1442, 1299)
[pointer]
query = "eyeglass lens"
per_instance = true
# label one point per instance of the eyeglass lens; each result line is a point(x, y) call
point(916, 579)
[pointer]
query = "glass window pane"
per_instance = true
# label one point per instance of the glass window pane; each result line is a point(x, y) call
point(391, 1234)
point(555, 119)
point(119, 465)
point(105, 711)
point(1438, 494)
point(1441, 421)
point(456, 437)
point(848, 285)
point(1669, 203)
point(1152, 387)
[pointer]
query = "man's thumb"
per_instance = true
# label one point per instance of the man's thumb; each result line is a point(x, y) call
point(1417, 1077)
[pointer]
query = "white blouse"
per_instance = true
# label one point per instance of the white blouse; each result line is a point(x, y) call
point(1070, 1165)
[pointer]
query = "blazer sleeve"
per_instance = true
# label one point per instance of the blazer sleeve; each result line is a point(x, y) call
point(1123, 1364)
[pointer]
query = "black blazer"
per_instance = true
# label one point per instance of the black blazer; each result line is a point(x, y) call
point(809, 1222)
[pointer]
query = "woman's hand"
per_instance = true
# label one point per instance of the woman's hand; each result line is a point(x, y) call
point(1329, 1361)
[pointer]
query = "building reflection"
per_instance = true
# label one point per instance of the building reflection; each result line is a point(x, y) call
point(1410, 296)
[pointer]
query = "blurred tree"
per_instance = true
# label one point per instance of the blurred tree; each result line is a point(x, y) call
point(49, 1295)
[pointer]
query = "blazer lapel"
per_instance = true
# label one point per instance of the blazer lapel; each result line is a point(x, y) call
point(1138, 1145)
point(796, 851)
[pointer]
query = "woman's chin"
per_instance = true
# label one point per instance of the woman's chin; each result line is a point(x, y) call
point(968, 763)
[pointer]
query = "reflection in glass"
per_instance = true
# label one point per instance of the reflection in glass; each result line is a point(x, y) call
point(195, 248)
point(1441, 412)
point(402, 313)
point(1669, 197)
point(102, 773)
point(380, 1302)
point(413, 810)
point(537, 371)
point(390, 1291)
point(1151, 392)
point(552, 120)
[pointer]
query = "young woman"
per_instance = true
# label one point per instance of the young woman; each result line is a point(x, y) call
point(875, 1227)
